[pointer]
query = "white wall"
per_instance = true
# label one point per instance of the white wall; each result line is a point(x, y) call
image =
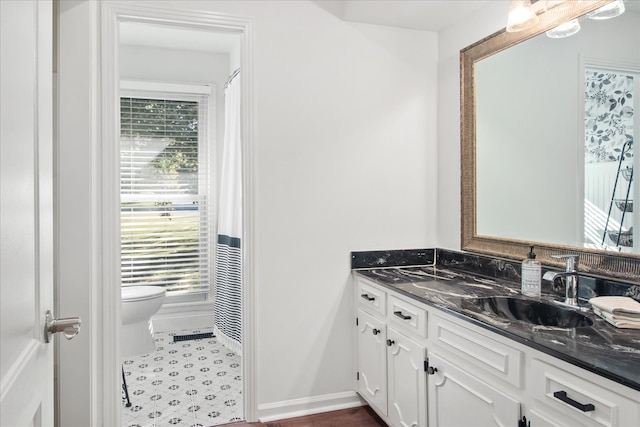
point(76, 217)
point(345, 159)
point(451, 40)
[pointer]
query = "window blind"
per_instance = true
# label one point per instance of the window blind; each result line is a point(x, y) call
point(164, 210)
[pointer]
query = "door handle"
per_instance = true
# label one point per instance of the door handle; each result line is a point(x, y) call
point(69, 326)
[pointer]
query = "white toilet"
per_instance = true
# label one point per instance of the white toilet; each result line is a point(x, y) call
point(139, 303)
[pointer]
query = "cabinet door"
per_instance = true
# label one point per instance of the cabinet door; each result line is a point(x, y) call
point(407, 382)
point(458, 399)
point(372, 361)
point(538, 419)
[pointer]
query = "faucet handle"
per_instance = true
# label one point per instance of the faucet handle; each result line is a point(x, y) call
point(570, 259)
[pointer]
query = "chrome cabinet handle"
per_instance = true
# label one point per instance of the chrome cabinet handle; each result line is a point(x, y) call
point(69, 326)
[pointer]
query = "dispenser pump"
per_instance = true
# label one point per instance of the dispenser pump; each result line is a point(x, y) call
point(532, 255)
point(531, 274)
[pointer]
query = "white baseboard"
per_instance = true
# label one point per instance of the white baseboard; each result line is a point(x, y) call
point(308, 406)
point(183, 318)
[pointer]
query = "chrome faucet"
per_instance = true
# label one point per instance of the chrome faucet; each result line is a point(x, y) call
point(571, 277)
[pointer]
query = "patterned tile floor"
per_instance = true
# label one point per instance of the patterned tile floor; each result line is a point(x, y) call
point(183, 383)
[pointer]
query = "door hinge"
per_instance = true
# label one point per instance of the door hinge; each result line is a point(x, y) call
point(426, 365)
point(524, 423)
point(356, 321)
point(358, 376)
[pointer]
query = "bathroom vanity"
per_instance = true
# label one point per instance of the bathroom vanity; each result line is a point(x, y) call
point(431, 352)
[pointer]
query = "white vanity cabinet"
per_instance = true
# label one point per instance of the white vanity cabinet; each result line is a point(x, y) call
point(485, 379)
point(574, 397)
point(391, 356)
point(474, 377)
point(458, 398)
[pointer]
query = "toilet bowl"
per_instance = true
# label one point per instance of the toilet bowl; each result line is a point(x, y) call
point(139, 303)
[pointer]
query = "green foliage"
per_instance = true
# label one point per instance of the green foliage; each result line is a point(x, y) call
point(166, 119)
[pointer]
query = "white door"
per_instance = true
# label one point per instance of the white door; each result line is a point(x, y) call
point(372, 361)
point(406, 381)
point(457, 398)
point(26, 236)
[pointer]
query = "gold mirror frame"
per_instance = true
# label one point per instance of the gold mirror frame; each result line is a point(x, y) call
point(597, 262)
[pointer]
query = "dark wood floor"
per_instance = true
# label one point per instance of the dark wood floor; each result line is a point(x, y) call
point(362, 416)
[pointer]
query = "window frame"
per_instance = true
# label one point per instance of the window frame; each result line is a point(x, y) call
point(205, 95)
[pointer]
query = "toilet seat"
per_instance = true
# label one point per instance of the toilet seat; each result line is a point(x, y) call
point(141, 293)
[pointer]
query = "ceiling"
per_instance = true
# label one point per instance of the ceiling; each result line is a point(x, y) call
point(427, 15)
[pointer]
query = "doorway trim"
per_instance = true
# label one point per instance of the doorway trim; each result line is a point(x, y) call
point(112, 14)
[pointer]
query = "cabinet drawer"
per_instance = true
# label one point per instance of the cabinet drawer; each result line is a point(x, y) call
point(407, 315)
point(581, 396)
point(371, 298)
point(479, 349)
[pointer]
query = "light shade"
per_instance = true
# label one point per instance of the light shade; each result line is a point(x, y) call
point(521, 16)
point(611, 10)
point(564, 30)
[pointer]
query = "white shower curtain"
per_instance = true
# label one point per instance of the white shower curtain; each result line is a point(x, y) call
point(228, 265)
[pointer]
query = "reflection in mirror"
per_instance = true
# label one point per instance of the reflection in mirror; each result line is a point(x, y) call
point(548, 149)
point(528, 129)
point(612, 97)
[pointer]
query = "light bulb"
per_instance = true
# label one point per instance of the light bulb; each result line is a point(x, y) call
point(521, 16)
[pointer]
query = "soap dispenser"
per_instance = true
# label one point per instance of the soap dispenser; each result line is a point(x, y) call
point(531, 274)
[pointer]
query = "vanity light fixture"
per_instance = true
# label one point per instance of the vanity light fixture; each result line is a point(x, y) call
point(611, 10)
point(521, 16)
point(564, 30)
point(550, 4)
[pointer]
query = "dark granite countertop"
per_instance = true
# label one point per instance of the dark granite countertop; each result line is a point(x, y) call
point(601, 348)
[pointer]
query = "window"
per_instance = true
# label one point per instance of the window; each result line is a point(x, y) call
point(165, 201)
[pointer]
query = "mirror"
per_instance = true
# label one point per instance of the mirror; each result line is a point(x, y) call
point(529, 161)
